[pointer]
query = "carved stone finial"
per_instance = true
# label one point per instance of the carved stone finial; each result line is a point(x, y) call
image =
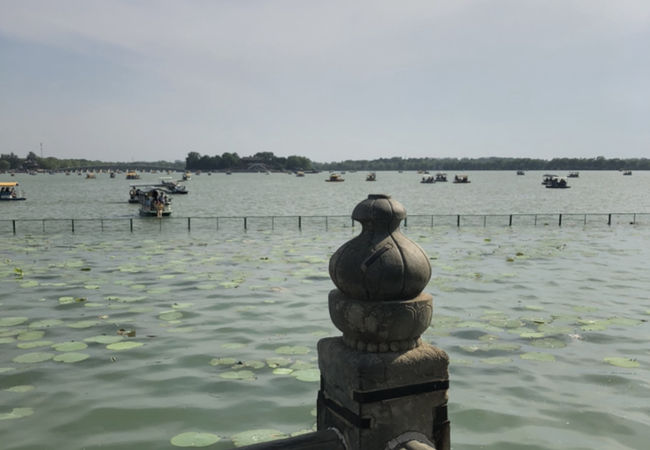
point(380, 274)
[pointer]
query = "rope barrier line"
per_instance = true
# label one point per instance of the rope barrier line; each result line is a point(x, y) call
point(325, 222)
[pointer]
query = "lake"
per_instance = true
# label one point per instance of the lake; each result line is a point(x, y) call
point(120, 340)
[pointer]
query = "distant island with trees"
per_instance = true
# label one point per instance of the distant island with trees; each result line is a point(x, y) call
point(268, 161)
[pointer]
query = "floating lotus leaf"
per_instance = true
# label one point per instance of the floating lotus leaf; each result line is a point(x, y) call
point(34, 344)
point(595, 326)
point(120, 346)
point(497, 360)
point(21, 388)
point(91, 287)
point(538, 356)
point(71, 357)
point(624, 321)
point(167, 277)
point(158, 290)
point(69, 346)
point(256, 436)
point(29, 284)
point(138, 287)
point(194, 439)
point(7, 340)
point(278, 362)
point(223, 361)
point(12, 321)
point(181, 330)
point(292, 350)
point(622, 362)
point(6, 369)
point(30, 335)
point(555, 329)
point(532, 335)
point(66, 300)
point(34, 357)
point(170, 315)
point(534, 307)
point(548, 343)
point(47, 323)
point(254, 364)
point(17, 413)
point(309, 375)
point(233, 345)
point(104, 339)
point(245, 375)
point(302, 365)
point(83, 324)
point(282, 371)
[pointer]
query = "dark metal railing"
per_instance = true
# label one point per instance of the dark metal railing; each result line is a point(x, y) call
point(148, 224)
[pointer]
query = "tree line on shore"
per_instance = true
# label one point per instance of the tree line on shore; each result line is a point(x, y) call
point(232, 161)
point(488, 163)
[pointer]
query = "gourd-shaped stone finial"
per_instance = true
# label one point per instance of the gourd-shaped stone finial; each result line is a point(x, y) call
point(381, 264)
point(380, 274)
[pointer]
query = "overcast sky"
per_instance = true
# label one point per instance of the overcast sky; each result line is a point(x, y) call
point(122, 80)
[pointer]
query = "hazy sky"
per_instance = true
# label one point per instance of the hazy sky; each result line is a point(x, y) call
point(124, 80)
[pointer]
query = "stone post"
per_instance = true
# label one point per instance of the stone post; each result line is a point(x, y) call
point(382, 387)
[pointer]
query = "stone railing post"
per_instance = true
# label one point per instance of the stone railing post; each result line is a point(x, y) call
point(382, 387)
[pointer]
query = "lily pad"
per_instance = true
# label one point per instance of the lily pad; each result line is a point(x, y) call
point(30, 335)
point(309, 375)
point(69, 346)
point(292, 350)
point(12, 321)
point(170, 315)
point(33, 357)
point(71, 357)
point(34, 344)
point(233, 345)
point(194, 439)
point(245, 375)
point(548, 343)
point(120, 346)
point(622, 362)
point(104, 339)
point(538, 356)
point(497, 360)
point(282, 371)
point(223, 361)
point(21, 388)
point(17, 413)
point(278, 362)
point(256, 436)
point(47, 323)
point(7, 340)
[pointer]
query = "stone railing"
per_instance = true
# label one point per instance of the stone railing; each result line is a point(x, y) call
point(382, 387)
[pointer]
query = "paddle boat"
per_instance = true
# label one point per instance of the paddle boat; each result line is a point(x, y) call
point(8, 192)
point(154, 202)
point(547, 177)
point(573, 175)
point(132, 175)
point(172, 186)
point(335, 178)
point(441, 177)
point(371, 176)
point(461, 179)
point(558, 183)
point(428, 180)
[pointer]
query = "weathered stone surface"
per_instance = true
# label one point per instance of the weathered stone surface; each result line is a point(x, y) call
point(380, 326)
point(380, 264)
point(353, 380)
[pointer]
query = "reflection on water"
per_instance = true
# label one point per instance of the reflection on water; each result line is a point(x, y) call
point(546, 330)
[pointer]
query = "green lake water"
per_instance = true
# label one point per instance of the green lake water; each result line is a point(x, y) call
point(121, 340)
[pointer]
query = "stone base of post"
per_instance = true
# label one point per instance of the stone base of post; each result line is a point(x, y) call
point(373, 398)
